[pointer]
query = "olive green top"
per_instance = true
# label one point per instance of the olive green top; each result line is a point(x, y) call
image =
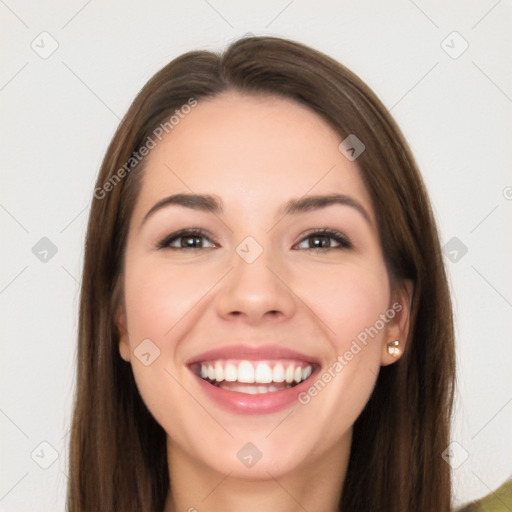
point(499, 500)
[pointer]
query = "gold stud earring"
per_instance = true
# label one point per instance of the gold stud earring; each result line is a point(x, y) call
point(393, 348)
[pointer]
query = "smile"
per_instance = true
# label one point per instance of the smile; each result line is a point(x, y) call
point(253, 377)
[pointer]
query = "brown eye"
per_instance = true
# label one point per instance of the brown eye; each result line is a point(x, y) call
point(321, 239)
point(186, 238)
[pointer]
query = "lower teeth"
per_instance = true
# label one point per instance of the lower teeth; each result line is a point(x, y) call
point(248, 388)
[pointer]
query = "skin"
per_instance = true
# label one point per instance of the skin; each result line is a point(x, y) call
point(255, 153)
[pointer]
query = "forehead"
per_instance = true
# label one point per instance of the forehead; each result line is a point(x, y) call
point(252, 151)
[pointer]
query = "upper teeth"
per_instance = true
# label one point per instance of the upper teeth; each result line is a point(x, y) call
point(255, 372)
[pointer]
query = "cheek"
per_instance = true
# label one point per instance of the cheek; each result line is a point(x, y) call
point(348, 299)
point(158, 299)
point(158, 296)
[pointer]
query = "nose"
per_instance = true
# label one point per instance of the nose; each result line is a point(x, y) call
point(257, 292)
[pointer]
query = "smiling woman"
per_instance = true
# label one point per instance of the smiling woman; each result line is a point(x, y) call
point(265, 322)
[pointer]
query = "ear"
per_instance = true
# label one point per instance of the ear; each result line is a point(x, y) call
point(398, 325)
point(124, 346)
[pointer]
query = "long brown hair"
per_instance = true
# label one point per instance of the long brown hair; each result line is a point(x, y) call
point(117, 456)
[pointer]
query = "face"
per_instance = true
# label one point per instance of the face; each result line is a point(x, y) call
point(261, 286)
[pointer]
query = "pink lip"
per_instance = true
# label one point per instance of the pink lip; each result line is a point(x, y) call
point(264, 403)
point(244, 403)
point(252, 352)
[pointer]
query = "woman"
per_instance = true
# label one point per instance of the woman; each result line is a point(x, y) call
point(265, 320)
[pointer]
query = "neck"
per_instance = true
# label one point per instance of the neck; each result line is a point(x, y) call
point(316, 485)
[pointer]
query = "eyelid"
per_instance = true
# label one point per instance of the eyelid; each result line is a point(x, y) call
point(167, 239)
point(343, 240)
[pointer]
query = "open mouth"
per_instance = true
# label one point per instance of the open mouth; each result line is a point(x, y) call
point(254, 377)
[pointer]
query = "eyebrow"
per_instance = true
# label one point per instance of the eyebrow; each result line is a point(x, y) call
point(210, 203)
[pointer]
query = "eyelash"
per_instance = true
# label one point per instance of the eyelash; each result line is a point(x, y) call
point(344, 242)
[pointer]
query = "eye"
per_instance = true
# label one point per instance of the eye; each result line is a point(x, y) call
point(321, 240)
point(190, 239)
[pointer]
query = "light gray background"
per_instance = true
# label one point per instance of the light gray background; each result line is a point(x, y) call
point(60, 112)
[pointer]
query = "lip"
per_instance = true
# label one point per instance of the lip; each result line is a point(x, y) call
point(263, 403)
point(244, 403)
point(252, 353)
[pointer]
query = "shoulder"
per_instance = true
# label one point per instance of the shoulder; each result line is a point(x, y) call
point(499, 500)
